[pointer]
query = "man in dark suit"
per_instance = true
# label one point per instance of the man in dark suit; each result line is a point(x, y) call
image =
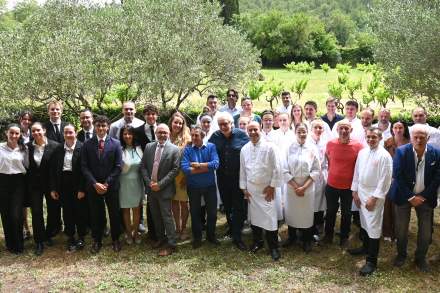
point(67, 186)
point(101, 164)
point(144, 135)
point(55, 127)
point(416, 173)
point(87, 130)
point(159, 167)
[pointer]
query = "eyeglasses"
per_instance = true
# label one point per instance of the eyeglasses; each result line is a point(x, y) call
point(231, 95)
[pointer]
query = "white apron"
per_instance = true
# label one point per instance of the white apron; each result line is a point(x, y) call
point(299, 210)
point(261, 213)
point(371, 221)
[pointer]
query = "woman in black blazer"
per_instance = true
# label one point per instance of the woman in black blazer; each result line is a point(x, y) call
point(67, 186)
point(40, 154)
point(13, 161)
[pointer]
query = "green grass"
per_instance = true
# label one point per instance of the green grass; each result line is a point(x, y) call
point(138, 268)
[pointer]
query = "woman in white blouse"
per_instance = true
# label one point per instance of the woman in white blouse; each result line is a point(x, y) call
point(300, 172)
point(41, 150)
point(13, 163)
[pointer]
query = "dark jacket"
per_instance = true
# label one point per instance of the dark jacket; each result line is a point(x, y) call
point(39, 176)
point(81, 136)
point(57, 168)
point(141, 137)
point(404, 174)
point(50, 132)
point(105, 168)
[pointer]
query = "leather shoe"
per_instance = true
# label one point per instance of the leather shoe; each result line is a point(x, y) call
point(367, 269)
point(214, 241)
point(399, 261)
point(289, 242)
point(240, 245)
point(167, 251)
point(197, 244)
point(256, 246)
point(423, 266)
point(71, 245)
point(96, 247)
point(116, 246)
point(49, 242)
point(275, 254)
point(39, 248)
point(80, 244)
point(307, 246)
point(357, 251)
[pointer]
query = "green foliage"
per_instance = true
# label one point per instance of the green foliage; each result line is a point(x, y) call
point(343, 68)
point(352, 87)
point(336, 90)
point(301, 67)
point(408, 48)
point(256, 90)
point(299, 87)
point(229, 9)
point(275, 89)
point(325, 67)
point(79, 53)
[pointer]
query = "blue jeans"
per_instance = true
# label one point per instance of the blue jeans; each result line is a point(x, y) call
point(195, 195)
point(424, 222)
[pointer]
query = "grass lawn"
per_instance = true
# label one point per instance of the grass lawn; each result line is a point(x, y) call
point(138, 268)
point(317, 88)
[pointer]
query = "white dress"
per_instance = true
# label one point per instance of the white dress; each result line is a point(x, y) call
point(320, 200)
point(259, 168)
point(372, 177)
point(302, 163)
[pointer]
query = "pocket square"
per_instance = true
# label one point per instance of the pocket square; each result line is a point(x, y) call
point(433, 163)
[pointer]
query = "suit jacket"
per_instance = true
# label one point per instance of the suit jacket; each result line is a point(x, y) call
point(50, 132)
point(167, 172)
point(141, 137)
point(39, 176)
point(57, 168)
point(81, 135)
point(101, 169)
point(404, 174)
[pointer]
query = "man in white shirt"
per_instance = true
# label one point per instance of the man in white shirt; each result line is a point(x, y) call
point(358, 132)
point(260, 174)
point(286, 107)
point(371, 182)
point(231, 107)
point(384, 123)
point(211, 103)
point(419, 116)
point(128, 110)
point(87, 130)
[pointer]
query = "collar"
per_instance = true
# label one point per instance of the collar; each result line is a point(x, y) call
point(256, 144)
point(415, 153)
point(204, 144)
point(34, 143)
point(90, 129)
point(67, 148)
point(104, 138)
point(164, 144)
point(56, 122)
point(5, 145)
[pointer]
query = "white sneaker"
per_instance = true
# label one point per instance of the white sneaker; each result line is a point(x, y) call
point(142, 228)
point(128, 239)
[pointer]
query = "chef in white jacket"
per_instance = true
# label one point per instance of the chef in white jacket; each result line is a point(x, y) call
point(316, 137)
point(300, 172)
point(260, 174)
point(371, 182)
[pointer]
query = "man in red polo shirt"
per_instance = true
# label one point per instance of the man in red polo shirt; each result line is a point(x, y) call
point(341, 156)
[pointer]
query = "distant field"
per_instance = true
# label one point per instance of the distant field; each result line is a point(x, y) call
point(317, 88)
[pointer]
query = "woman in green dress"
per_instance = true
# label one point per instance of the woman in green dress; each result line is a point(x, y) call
point(132, 188)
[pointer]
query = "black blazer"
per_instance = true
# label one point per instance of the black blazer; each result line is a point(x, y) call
point(57, 168)
point(81, 136)
point(141, 137)
point(39, 177)
point(104, 169)
point(50, 132)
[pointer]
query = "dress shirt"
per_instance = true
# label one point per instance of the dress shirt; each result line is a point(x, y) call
point(420, 173)
point(88, 134)
point(26, 136)
point(234, 111)
point(68, 154)
point(116, 126)
point(207, 153)
point(148, 133)
point(39, 151)
point(12, 161)
point(283, 109)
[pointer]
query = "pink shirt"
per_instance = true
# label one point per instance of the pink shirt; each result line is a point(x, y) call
point(341, 162)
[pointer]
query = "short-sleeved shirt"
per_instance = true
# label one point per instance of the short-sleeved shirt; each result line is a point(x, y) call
point(341, 162)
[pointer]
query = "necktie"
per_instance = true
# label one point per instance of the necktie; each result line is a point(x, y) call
point(156, 162)
point(101, 147)
point(57, 132)
point(87, 135)
point(152, 132)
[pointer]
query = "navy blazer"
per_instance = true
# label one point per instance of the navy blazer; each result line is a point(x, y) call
point(81, 135)
point(104, 169)
point(50, 132)
point(404, 174)
point(57, 168)
point(141, 137)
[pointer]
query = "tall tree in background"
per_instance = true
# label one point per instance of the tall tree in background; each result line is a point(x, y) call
point(229, 9)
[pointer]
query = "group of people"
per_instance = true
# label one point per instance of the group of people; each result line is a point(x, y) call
point(287, 166)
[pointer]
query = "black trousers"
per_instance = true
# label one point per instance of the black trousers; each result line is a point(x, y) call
point(97, 204)
point(195, 201)
point(233, 201)
point(150, 222)
point(318, 219)
point(271, 236)
point(307, 233)
point(74, 210)
point(334, 196)
point(12, 189)
point(39, 230)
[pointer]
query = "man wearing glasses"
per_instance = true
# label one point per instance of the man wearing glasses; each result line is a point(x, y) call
point(231, 107)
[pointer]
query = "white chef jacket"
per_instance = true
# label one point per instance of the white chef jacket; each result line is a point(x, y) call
point(372, 177)
point(259, 168)
point(320, 183)
point(302, 163)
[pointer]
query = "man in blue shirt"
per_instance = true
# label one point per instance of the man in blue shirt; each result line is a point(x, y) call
point(229, 141)
point(199, 163)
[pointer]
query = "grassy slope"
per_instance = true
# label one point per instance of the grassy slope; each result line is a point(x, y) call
point(137, 268)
